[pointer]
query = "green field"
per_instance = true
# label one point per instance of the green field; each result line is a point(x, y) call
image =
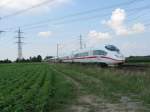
point(41, 87)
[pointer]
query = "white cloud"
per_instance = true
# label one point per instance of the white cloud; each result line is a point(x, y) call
point(138, 28)
point(116, 21)
point(23, 4)
point(117, 24)
point(134, 48)
point(45, 34)
point(99, 35)
point(95, 37)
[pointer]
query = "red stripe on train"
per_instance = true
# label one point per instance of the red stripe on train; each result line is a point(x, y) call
point(111, 58)
point(94, 57)
point(81, 58)
point(86, 57)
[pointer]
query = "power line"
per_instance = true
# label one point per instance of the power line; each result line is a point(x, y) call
point(27, 9)
point(38, 24)
point(44, 22)
point(148, 24)
point(1, 31)
point(141, 15)
point(81, 13)
point(82, 19)
point(65, 22)
point(7, 2)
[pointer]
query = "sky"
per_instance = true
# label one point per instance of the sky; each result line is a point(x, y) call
point(46, 23)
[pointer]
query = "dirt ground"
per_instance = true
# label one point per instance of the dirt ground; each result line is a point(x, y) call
point(91, 103)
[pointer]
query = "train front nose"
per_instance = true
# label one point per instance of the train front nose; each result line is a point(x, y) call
point(120, 57)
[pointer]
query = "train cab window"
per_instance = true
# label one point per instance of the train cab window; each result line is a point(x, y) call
point(99, 52)
point(112, 48)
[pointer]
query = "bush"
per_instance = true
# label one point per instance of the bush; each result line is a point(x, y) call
point(138, 59)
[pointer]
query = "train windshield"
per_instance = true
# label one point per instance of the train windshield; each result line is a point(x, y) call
point(112, 48)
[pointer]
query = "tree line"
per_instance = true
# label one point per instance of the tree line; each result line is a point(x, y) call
point(135, 59)
point(30, 59)
point(47, 58)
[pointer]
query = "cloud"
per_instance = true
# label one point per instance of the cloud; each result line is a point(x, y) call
point(138, 28)
point(15, 5)
point(134, 48)
point(98, 35)
point(45, 34)
point(117, 24)
point(95, 37)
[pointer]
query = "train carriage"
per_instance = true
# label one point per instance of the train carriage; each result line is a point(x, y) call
point(108, 54)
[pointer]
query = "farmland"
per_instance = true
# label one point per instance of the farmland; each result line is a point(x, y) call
point(42, 87)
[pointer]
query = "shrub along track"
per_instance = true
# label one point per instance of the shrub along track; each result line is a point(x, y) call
point(92, 96)
point(134, 67)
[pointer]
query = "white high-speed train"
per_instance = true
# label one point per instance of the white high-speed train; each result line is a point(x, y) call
point(107, 55)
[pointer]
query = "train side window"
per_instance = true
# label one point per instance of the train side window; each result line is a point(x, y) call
point(99, 52)
point(77, 55)
point(81, 54)
point(84, 54)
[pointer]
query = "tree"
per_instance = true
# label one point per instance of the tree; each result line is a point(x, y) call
point(5, 61)
point(31, 59)
point(39, 58)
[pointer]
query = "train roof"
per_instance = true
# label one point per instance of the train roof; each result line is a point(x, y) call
point(90, 49)
point(101, 47)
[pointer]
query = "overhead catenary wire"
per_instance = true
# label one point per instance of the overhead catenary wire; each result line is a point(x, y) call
point(27, 9)
point(137, 17)
point(66, 21)
point(49, 1)
point(40, 23)
point(74, 15)
point(6, 2)
point(81, 13)
point(73, 20)
point(147, 24)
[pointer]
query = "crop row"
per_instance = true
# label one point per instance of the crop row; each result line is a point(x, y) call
point(33, 88)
